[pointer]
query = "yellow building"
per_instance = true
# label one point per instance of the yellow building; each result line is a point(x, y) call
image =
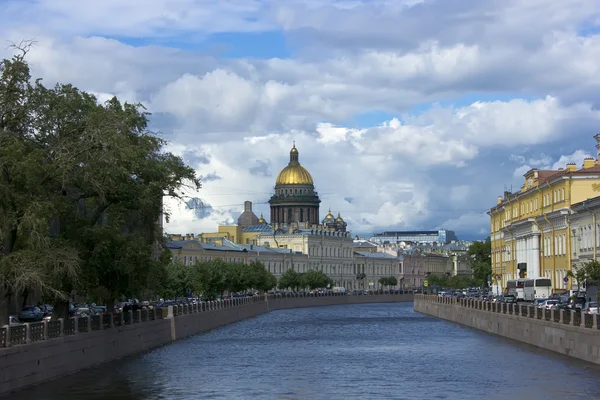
point(530, 228)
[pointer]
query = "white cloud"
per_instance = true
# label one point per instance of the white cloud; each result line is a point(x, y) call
point(547, 162)
point(436, 66)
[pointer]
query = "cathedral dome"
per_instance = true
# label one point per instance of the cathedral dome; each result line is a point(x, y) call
point(294, 173)
point(261, 220)
point(339, 219)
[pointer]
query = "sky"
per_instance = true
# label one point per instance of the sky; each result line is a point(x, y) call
point(409, 114)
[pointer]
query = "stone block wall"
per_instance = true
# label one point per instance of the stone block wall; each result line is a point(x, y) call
point(565, 332)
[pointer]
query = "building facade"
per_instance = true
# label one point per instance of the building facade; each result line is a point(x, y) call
point(584, 223)
point(531, 229)
point(441, 236)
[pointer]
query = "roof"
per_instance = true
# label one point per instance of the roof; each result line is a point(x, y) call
point(376, 255)
point(227, 246)
point(455, 246)
point(545, 176)
point(403, 233)
point(264, 249)
point(363, 243)
point(258, 228)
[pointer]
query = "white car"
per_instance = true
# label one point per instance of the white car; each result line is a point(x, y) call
point(591, 307)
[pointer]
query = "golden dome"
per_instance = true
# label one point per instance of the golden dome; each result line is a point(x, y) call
point(294, 173)
point(261, 220)
point(339, 218)
point(329, 216)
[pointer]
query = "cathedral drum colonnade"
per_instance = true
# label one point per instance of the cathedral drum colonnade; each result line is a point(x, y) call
point(295, 198)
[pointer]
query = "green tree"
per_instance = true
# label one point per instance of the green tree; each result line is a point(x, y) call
point(579, 275)
point(178, 282)
point(480, 254)
point(388, 281)
point(80, 192)
point(238, 277)
point(260, 277)
point(289, 279)
point(592, 273)
point(30, 258)
point(314, 279)
point(211, 278)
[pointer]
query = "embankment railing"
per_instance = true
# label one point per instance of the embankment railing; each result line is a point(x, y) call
point(564, 317)
point(27, 333)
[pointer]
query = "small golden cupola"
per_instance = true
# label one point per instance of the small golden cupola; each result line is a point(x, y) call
point(339, 218)
point(261, 220)
point(329, 218)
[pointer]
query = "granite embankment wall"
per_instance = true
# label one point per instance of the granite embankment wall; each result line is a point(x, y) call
point(37, 352)
point(566, 332)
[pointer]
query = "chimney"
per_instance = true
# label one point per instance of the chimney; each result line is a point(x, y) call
point(571, 167)
point(247, 206)
point(597, 137)
point(588, 162)
point(499, 200)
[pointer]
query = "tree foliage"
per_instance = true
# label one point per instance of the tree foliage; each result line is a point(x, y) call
point(314, 279)
point(81, 189)
point(480, 254)
point(210, 279)
point(454, 282)
point(388, 281)
point(590, 272)
point(290, 280)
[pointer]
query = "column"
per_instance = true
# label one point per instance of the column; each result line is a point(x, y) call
point(529, 258)
point(536, 256)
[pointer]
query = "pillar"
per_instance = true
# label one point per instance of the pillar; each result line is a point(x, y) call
point(536, 256)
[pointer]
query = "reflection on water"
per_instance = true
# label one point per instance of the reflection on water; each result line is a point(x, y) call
point(381, 351)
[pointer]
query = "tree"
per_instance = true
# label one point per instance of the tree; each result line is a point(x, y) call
point(260, 277)
point(592, 273)
point(579, 276)
point(480, 254)
point(81, 192)
point(211, 278)
point(388, 281)
point(178, 282)
point(314, 279)
point(289, 279)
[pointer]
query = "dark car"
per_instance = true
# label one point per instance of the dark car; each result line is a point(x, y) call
point(31, 314)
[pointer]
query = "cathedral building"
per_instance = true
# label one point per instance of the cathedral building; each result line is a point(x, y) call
point(295, 237)
point(295, 199)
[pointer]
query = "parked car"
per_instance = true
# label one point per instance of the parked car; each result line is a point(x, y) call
point(31, 314)
point(591, 307)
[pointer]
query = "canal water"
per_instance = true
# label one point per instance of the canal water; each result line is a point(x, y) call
point(371, 351)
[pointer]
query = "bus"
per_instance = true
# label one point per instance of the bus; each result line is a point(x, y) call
point(511, 288)
point(515, 287)
point(537, 288)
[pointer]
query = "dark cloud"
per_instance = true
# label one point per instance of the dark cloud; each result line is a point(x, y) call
point(201, 208)
point(193, 158)
point(261, 168)
point(210, 177)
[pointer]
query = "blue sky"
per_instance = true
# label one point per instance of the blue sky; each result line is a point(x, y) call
point(420, 112)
